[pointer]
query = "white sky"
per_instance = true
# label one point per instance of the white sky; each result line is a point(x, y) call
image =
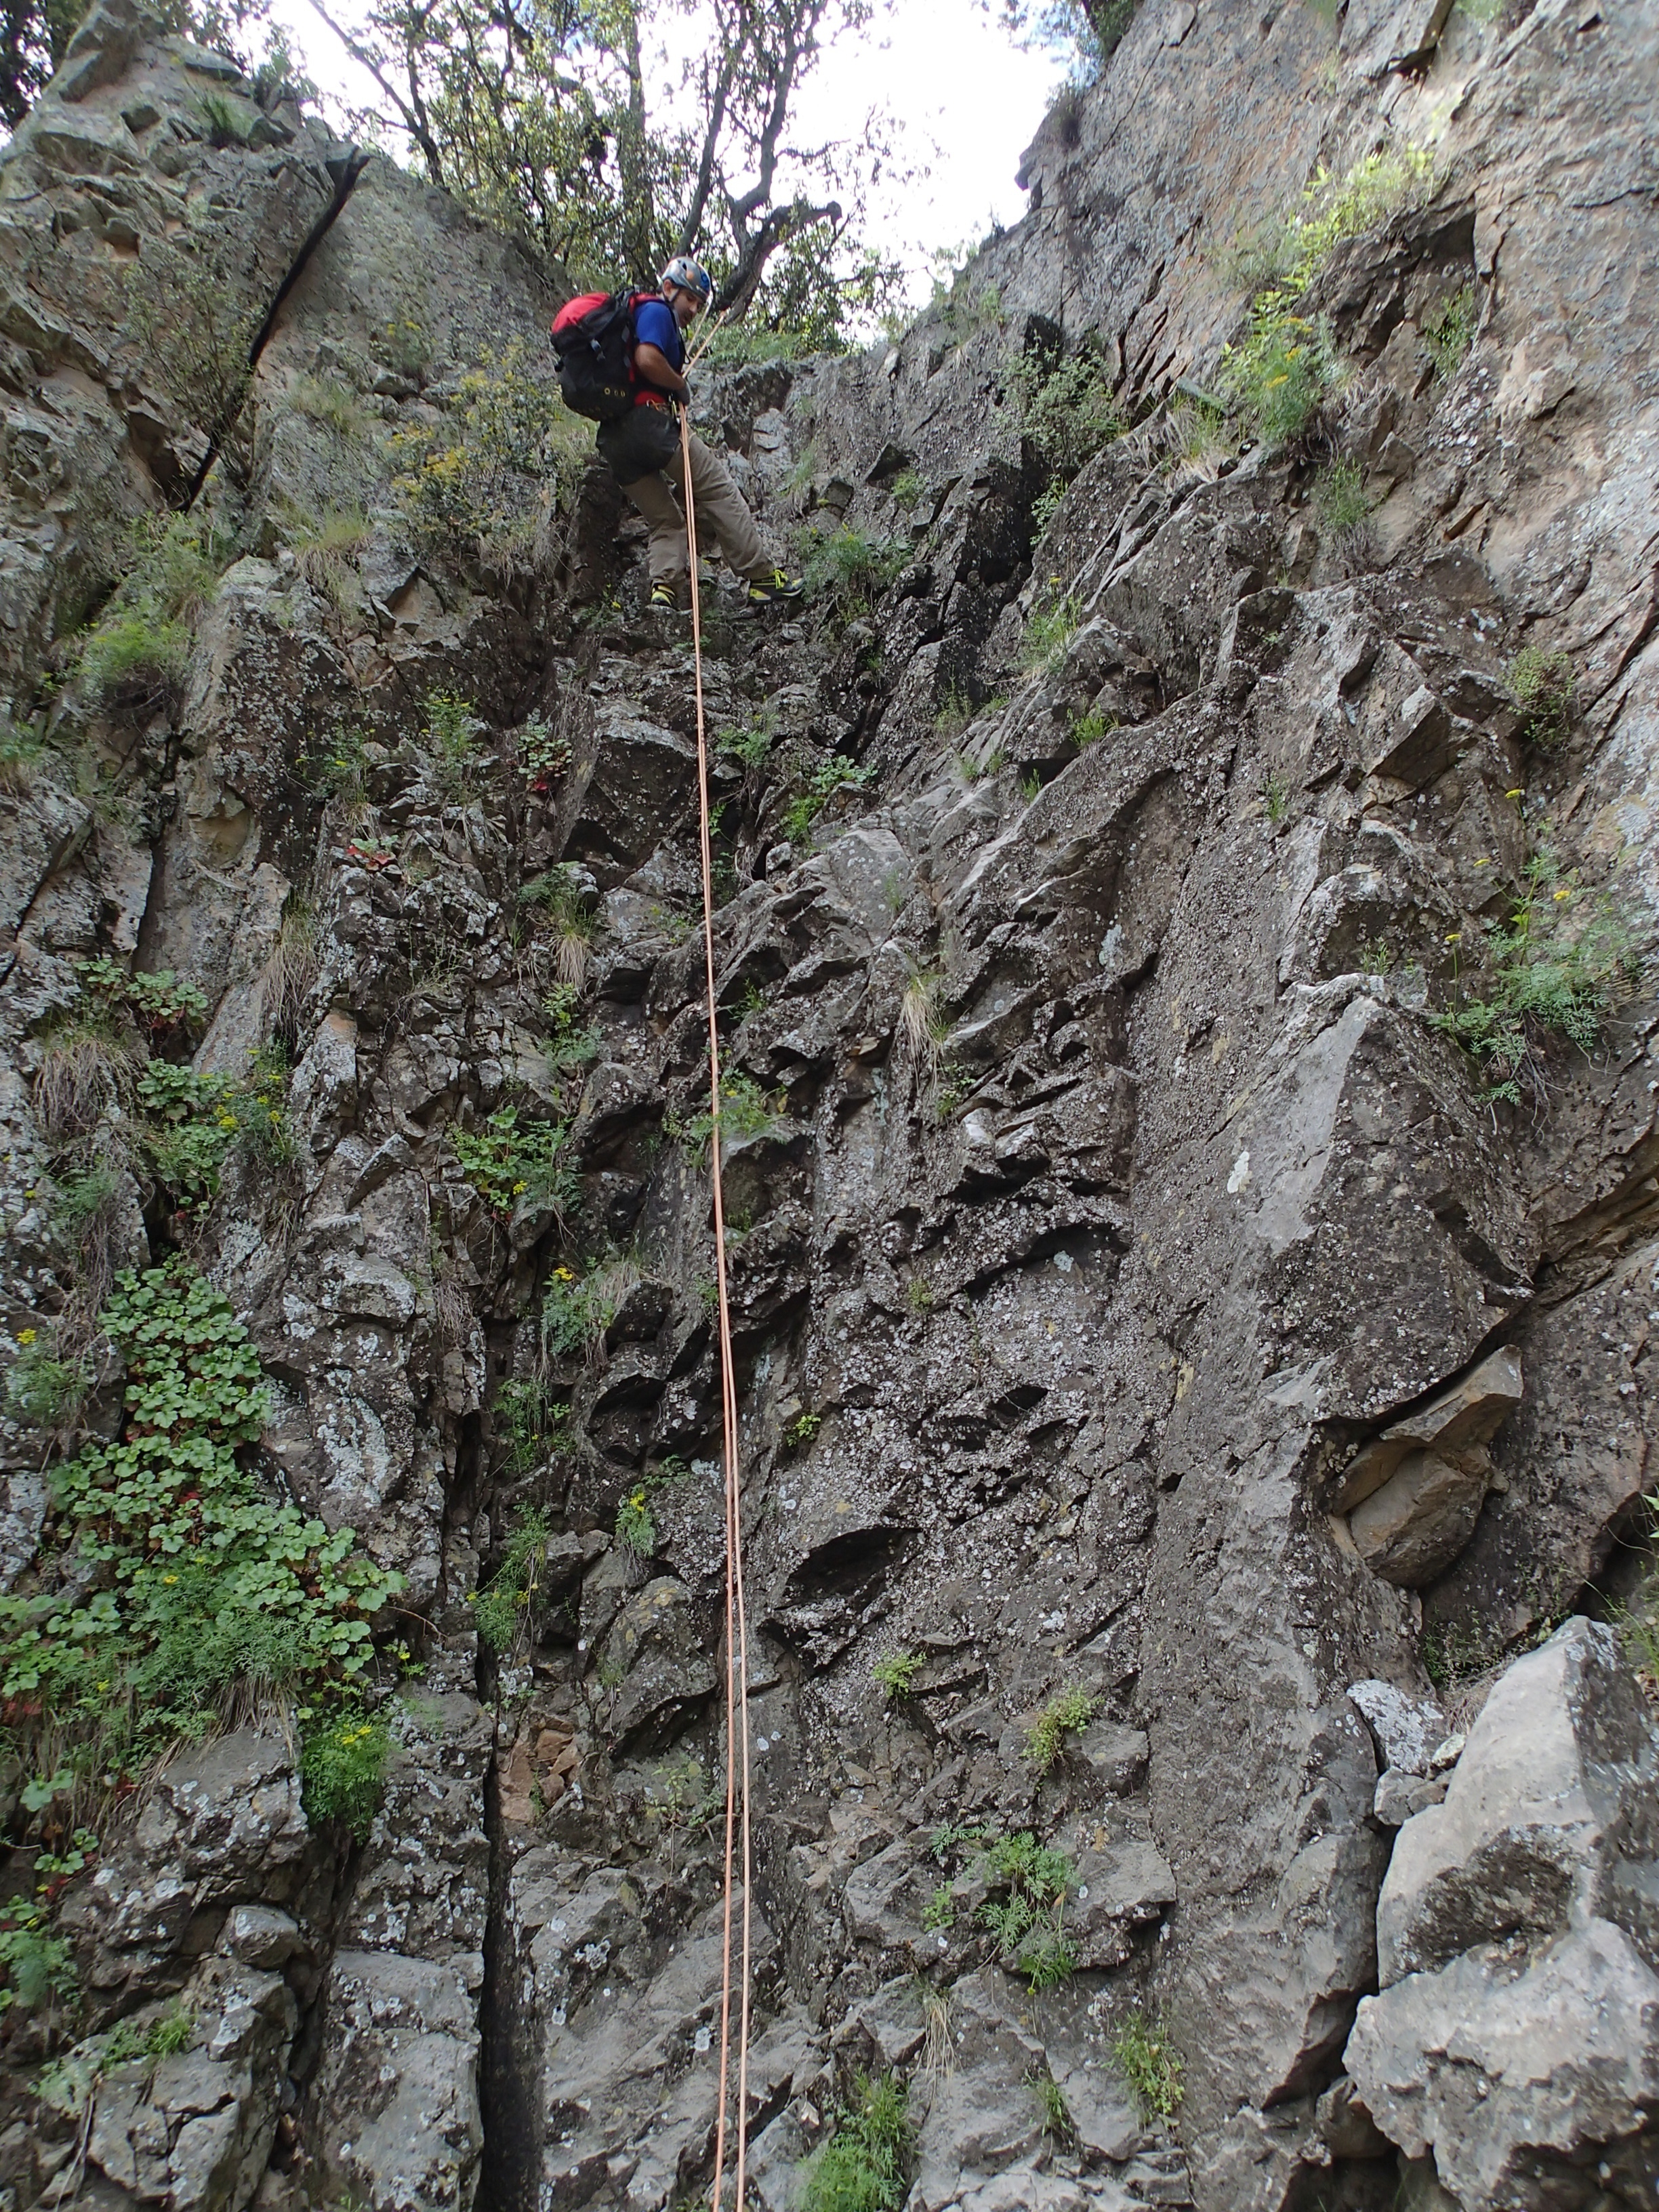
point(966, 100)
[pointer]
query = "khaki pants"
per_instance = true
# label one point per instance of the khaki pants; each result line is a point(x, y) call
point(722, 513)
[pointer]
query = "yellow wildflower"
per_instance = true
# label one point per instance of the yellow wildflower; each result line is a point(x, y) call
point(28, 1335)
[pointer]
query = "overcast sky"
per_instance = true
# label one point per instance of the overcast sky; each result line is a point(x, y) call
point(967, 100)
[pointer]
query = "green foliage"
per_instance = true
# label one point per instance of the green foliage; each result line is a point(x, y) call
point(907, 490)
point(194, 314)
point(1025, 1910)
point(861, 2167)
point(736, 345)
point(544, 752)
point(751, 742)
point(1067, 1714)
point(1339, 498)
point(1046, 1959)
point(190, 1125)
point(525, 1420)
point(1049, 631)
point(1066, 413)
point(476, 474)
point(341, 767)
point(636, 1527)
point(1638, 1622)
point(898, 1671)
point(568, 1048)
point(1543, 688)
point(343, 1764)
point(745, 1111)
point(451, 734)
point(1055, 2113)
point(1275, 798)
point(576, 1309)
point(1453, 1653)
point(163, 2038)
point(849, 570)
point(44, 1390)
point(228, 120)
point(1150, 2067)
point(558, 899)
point(802, 1431)
point(159, 1003)
point(837, 773)
point(1280, 372)
point(19, 751)
point(1449, 332)
point(177, 1581)
point(939, 1912)
point(1089, 729)
point(501, 1606)
point(966, 309)
point(507, 1161)
point(135, 652)
point(1332, 209)
point(38, 1967)
point(264, 1131)
point(1557, 966)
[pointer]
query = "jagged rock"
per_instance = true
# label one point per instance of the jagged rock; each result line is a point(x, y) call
point(1407, 1729)
point(1399, 1794)
point(657, 1650)
point(1518, 1953)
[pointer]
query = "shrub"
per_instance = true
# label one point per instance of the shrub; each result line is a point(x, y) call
point(328, 401)
point(734, 346)
point(501, 1606)
point(837, 773)
point(1281, 372)
point(1560, 963)
point(861, 2167)
point(636, 1527)
point(524, 1419)
point(1049, 631)
point(342, 1771)
point(505, 1162)
point(264, 1133)
point(1333, 209)
point(42, 1389)
point(745, 1111)
point(896, 1672)
point(1066, 415)
point(1542, 687)
point(134, 656)
point(478, 473)
point(907, 490)
point(849, 570)
point(750, 743)
point(1067, 1714)
point(1449, 332)
point(177, 1585)
point(451, 734)
point(1148, 2061)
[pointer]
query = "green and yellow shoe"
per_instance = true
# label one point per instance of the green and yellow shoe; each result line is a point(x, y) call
point(763, 590)
point(664, 599)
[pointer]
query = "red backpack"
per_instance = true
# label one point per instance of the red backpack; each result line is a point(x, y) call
point(593, 337)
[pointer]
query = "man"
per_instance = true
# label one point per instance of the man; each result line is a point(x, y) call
point(644, 452)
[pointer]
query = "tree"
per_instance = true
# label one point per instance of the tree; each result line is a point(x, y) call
point(33, 34)
point(576, 125)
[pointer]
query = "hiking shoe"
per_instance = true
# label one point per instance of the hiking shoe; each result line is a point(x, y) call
point(763, 590)
point(664, 599)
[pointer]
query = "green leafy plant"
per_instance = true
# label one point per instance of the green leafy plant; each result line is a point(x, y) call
point(325, 399)
point(46, 1392)
point(475, 475)
point(577, 1309)
point(134, 656)
point(526, 1420)
point(636, 1527)
point(343, 1764)
point(508, 1161)
point(1331, 209)
point(919, 1295)
point(500, 1608)
point(1564, 959)
point(264, 1132)
point(1055, 2113)
point(559, 901)
point(177, 1585)
point(20, 753)
point(1066, 414)
point(1149, 2066)
point(1281, 372)
point(748, 742)
point(745, 1111)
point(802, 1431)
point(163, 2038)
point(939, 1914)
point(830, 776)
point(1449, 332)
point(451, 734)
point(544, 752)
point(1089, 729)
point(898, 1671)
point(1049, 631)
point(861, 2168)
point(849, 570)
point(1543, 688)
point(1046, 1959)
point(1275, 797)
point(907, 491)
point(38, 1967)
point(1067, 1714)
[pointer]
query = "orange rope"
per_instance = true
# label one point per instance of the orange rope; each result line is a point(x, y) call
point(737, 1620)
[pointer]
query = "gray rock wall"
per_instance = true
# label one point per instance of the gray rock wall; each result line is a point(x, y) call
point(1135, 1294)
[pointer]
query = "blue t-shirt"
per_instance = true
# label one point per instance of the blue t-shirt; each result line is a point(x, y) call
point(654, 325)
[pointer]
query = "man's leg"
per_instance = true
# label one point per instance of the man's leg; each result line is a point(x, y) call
point(668, 556)
point(723, 512)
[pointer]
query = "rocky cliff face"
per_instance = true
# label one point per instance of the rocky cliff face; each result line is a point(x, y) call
point(1176, 1378)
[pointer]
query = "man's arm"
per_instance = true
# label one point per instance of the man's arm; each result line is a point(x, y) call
point(653, 365)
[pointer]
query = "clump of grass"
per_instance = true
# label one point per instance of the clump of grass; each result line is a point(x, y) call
point(228, 120)
point(560, 901)
point(46, 1392)
point(526, 1419)
point(500, 1608)
point(327, 400)
point(1543, 688)
point(1089, 729)
point(1199, 435)
point(907, 491)
point(1332, 209)
point(325, 547)
point(1339, 498)
point(1055, 2113)
point(290, 969)
point(1449, 332)
point(135, 655)
point(1560, 964)
point(923, 1026)
point(85, 1067)
point(1275, 798)
point(1067, 1714)
point(862, 2166)
point(897, 1672)
point(1048, 632)
point(1149, 2066)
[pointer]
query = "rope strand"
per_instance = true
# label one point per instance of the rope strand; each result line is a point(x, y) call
point(737, 1619)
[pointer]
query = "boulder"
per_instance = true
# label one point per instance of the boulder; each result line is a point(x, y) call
point(1516, 2038)
point(1405, 1729)
point(655, 1649)
point(1414, 1494)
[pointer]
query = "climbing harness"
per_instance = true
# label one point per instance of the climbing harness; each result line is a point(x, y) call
point(737, 1620)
